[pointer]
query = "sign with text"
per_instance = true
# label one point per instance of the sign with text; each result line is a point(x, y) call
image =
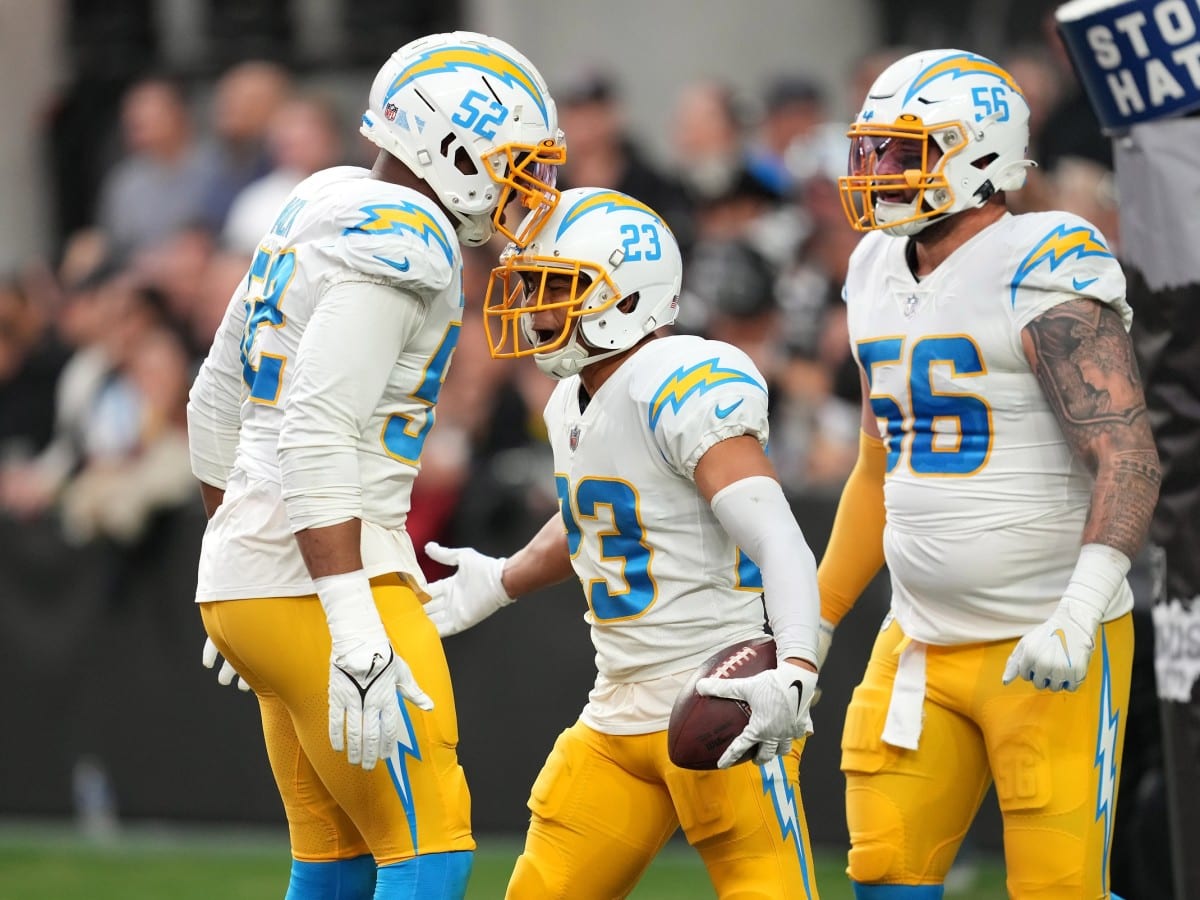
point(1138, 60)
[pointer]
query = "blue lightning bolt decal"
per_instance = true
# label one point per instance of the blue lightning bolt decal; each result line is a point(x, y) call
point(958, 66)
point(697, 379)
point(609, 200)
point(483, 59)
point(783, 797)
point(1056, 247)
point(1106, 758)
point(397, 218)
point(397, 765)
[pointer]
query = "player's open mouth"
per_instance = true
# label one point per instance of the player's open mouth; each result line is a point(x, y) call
point(544, 335)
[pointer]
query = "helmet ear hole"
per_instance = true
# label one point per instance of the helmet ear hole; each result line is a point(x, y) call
point(463, 161)
point(629, 304)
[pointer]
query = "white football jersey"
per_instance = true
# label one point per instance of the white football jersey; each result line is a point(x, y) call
point(339, 226)
point(665, 585)
point(985, 501)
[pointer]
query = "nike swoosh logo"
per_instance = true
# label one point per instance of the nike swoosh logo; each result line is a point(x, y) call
point(398, 266)
point(799, 686)
point(1062, 638)
point(723, 411)
point(1080, 285)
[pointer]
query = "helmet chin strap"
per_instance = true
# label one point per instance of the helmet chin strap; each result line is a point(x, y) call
point(474, 231)
point(885, 211)
point(571, 358)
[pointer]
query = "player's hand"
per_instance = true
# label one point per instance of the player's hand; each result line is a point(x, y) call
point(779, 701)
point(470, 595)
point(226, 674)
point(364, 672)
point(1055, 654)
point(362, 701)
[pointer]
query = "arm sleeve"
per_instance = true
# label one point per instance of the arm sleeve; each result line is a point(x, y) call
point(342, 366)
point(215, 400)
point(756, 514)
point(855, 550)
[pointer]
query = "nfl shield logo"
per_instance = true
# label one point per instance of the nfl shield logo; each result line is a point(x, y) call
point(911, 303)
point(573, 437)
point(389, 112)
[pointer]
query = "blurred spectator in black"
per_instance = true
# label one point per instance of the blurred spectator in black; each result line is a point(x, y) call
point(28, 487)
point(1071, 127)
point(304, 136)
point(601, 153)
point(749, 211)
point(160, 185)
point(707, 137)
point(736, 285)
point(175, 270)
point(31, 359)
point(116, 496)
point(793, 110)
point(245, 98)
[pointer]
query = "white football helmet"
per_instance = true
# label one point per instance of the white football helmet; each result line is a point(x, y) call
point(939, 132)
point(471, 116)
point(624, 269)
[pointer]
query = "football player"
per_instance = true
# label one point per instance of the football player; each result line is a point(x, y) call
point(307, 423)
point(667, 503)
point(1006, 475)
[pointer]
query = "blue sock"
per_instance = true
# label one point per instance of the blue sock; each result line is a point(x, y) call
point(435, 876)
point(343, 879)
point(897, 891)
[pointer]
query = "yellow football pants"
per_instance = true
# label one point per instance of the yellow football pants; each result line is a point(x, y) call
point(604, 805)
point(1055, 759)
point(416, 803)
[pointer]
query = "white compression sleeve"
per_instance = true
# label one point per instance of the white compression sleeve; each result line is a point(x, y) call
point(345, 358)
point(755, 513)
point(215, 400)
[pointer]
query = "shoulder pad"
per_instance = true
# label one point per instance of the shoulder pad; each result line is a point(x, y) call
point(1063, 253)
point(395, 234)
point(684, 373)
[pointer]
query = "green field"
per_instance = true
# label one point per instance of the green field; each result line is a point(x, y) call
point(170, 863)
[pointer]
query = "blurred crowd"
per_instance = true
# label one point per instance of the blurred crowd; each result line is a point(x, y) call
point(99, 346)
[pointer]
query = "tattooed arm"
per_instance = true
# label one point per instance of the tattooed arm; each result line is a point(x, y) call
point(1083, 358)
point(1084, 362)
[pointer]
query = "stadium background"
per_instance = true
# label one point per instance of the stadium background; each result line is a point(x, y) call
point(98, 634)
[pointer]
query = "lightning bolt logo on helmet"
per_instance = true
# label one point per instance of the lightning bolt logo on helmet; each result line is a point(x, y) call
point(958, 66)
point(604, 200)
point(484, 59)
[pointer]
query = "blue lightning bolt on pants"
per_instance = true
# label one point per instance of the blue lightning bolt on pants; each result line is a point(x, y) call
point(604, 805)
point(1054, 758)
point(415, 804)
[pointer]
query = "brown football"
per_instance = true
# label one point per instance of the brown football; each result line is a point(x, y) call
point(702, 728)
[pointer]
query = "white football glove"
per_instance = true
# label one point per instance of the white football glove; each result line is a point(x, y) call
point(226, 674)
point(464, 599)
point(1055, 654)
point(779, 701)
point(364, 673)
